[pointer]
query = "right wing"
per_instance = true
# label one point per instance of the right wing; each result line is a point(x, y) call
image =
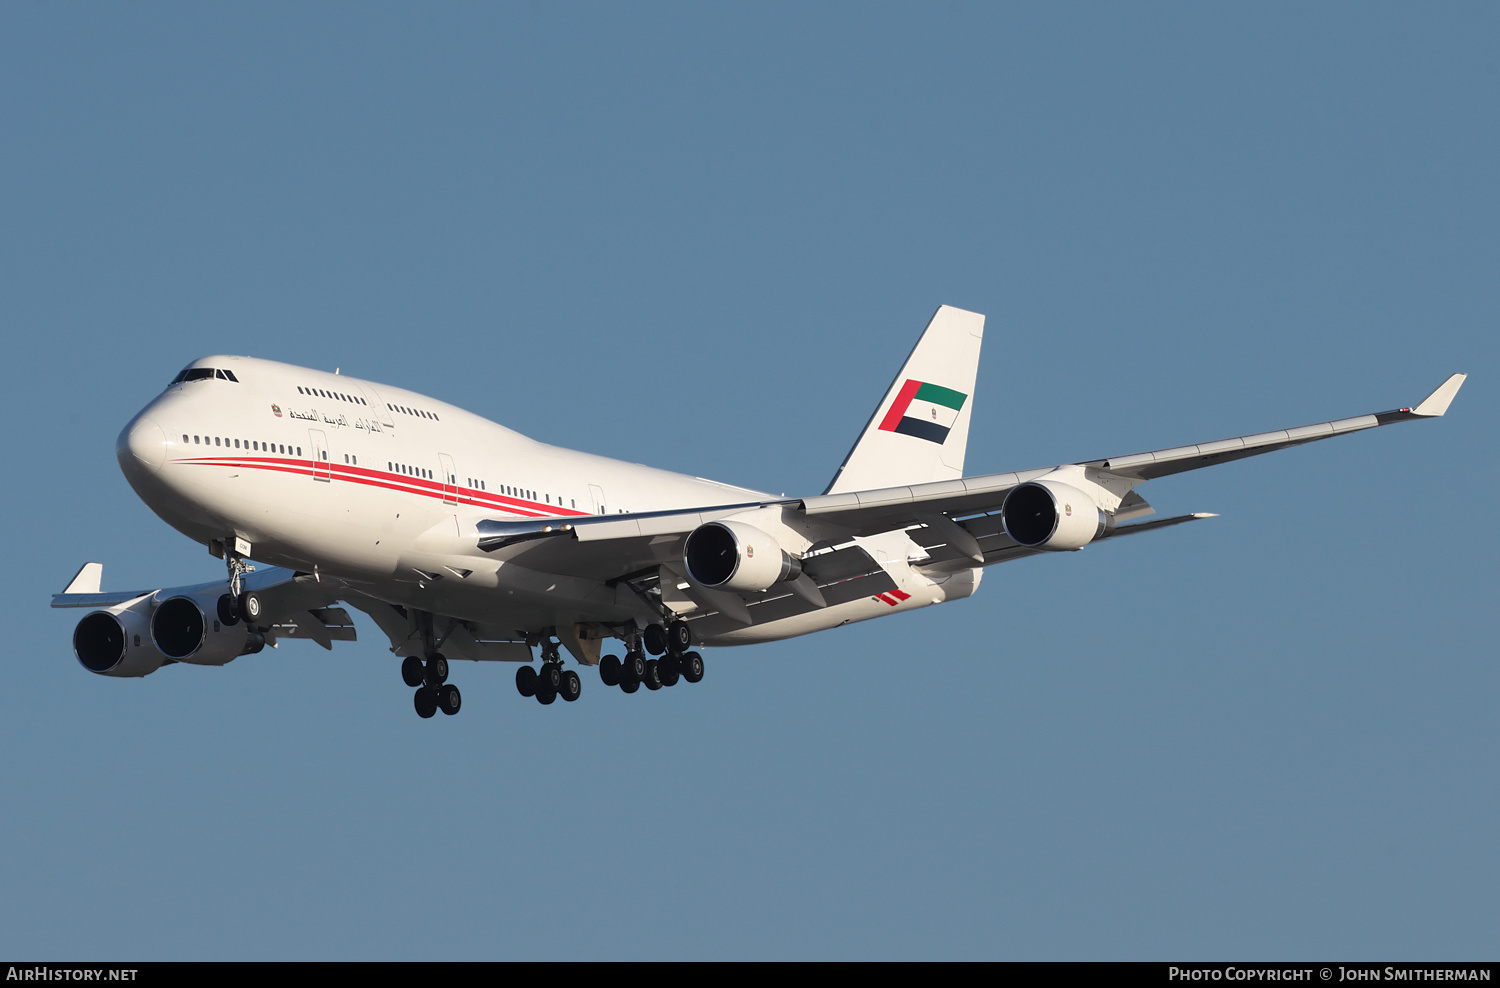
point(296, 605)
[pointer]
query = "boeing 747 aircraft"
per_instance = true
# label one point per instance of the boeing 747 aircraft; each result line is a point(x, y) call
point(464, 540)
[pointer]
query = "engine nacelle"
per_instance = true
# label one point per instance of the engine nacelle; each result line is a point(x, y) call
point(735, 556)
point(1045, 514)
point(188, 628)
point(117, 642)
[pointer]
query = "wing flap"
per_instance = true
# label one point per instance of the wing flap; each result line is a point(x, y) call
point(97, 599)
point(324, 625)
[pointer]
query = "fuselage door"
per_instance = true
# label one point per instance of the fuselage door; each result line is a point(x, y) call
point(381, 410)
point(597, 494)
point(322, 468)
point(450, 479)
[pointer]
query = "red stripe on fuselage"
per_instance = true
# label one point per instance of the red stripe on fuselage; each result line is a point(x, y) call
point(388, 480)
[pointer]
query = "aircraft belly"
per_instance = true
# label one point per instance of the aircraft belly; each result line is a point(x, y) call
point(528, 601)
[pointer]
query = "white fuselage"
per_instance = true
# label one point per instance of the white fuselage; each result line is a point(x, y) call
point(382, 488)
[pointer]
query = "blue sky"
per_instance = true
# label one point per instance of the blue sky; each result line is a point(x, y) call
point(704, 237)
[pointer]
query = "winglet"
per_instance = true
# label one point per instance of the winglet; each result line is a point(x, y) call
point(90, 575)
point(1435, 404)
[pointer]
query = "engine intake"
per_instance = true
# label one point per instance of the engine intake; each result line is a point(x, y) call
point(109, 643)
point(1045, 514)
point(189, 629)
point(177, 627)
point(737, 556)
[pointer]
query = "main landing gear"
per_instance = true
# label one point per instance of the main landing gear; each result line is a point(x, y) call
point(551, 680)
point(676, 662)
point(434, 692)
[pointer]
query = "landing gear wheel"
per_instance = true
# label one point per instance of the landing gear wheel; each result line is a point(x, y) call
point(635, 666)
point(655, 639)
point(526, 681)
point(412, 672)
point(545, 696)
point(609, 670)
point(652, 679)
point(437, 670)
point(679, 636)
point(692, 666)
point(228, 617)
point(571, 686)
point(549, 677)
point(630, 685)
point(251, 607)
point(425, 701)
point(448, 699)
point(668, 669)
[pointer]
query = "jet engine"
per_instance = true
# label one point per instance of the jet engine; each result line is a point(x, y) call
point(735, 556)
point(188, 628)
point(117, 642)
point(137, 638)
point(1045, 514)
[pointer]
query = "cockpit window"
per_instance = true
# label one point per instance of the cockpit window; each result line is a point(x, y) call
point(203, 374)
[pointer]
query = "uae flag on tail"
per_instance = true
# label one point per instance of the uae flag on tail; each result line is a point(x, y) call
point(926, 411)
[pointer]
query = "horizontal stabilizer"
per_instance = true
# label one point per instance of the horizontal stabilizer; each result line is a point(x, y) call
point(1155, 523)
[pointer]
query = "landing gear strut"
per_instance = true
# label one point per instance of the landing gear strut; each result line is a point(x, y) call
point(238, 604)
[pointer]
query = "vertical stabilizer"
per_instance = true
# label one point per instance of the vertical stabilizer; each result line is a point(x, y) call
point(920, 429)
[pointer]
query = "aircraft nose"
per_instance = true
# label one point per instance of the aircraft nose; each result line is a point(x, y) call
point(144, 442)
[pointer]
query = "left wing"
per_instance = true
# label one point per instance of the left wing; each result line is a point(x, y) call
point(960, 518)
point(892, 507)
